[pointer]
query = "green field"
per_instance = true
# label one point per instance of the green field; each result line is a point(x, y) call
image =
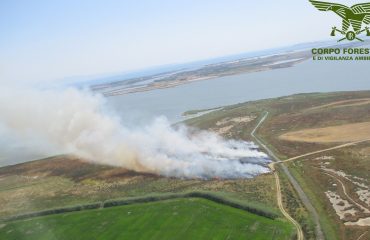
point(192, 218)
point(300, 112)
point(67, 181)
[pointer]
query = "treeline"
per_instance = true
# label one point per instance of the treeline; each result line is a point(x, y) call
point(53, 211)
point(153, 198)
point(234, 204)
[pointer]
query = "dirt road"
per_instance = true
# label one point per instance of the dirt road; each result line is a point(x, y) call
point(324, 150)
point(366, 210)
point(318, 232)
point(300, 235)
point(302, 195)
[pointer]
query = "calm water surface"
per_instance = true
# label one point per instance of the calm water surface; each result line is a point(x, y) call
point(142, 108)
point(310, 76)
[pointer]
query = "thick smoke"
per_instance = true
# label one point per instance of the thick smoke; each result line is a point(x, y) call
point(78, 122)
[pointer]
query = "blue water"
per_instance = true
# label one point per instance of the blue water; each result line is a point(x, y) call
point(309, 76)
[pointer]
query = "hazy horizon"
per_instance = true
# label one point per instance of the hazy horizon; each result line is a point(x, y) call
point(47, 42)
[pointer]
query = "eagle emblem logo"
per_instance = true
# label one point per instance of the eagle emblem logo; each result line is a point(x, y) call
point(353, 18)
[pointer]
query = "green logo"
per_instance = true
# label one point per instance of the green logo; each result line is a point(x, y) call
point(352, 18)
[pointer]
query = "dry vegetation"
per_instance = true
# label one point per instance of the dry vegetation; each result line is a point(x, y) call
point(64, 180)
point(305, 123)
point(337, 182)
point(335, 134)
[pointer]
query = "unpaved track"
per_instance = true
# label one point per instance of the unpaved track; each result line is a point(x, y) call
point(343, 103)
point(366, 210)
point(302, 195)
point(324, 150)
point(349, 198)
point(318, 232)
point(300, 235)
point(362, 235)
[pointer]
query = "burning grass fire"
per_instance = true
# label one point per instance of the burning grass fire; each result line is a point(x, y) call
point(78, 122)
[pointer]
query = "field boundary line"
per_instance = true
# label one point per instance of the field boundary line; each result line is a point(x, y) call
point(145, 199)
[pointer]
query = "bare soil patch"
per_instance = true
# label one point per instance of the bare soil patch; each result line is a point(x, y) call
point(344, 103)
point(342, 133)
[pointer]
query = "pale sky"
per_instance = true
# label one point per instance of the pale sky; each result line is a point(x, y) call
point(44, 41)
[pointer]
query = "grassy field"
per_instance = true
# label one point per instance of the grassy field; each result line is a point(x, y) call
point(317, 121)
point(335, 117)
point(191, 218)
point(63, 181)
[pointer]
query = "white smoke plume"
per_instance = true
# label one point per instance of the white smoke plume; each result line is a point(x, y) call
point(77, 122)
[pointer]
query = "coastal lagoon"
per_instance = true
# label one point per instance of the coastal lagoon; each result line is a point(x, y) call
point(309, 76)
point(138, 109)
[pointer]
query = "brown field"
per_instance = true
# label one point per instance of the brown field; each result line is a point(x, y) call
point(343, 103)
point(337, 182)
point(342, 133)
